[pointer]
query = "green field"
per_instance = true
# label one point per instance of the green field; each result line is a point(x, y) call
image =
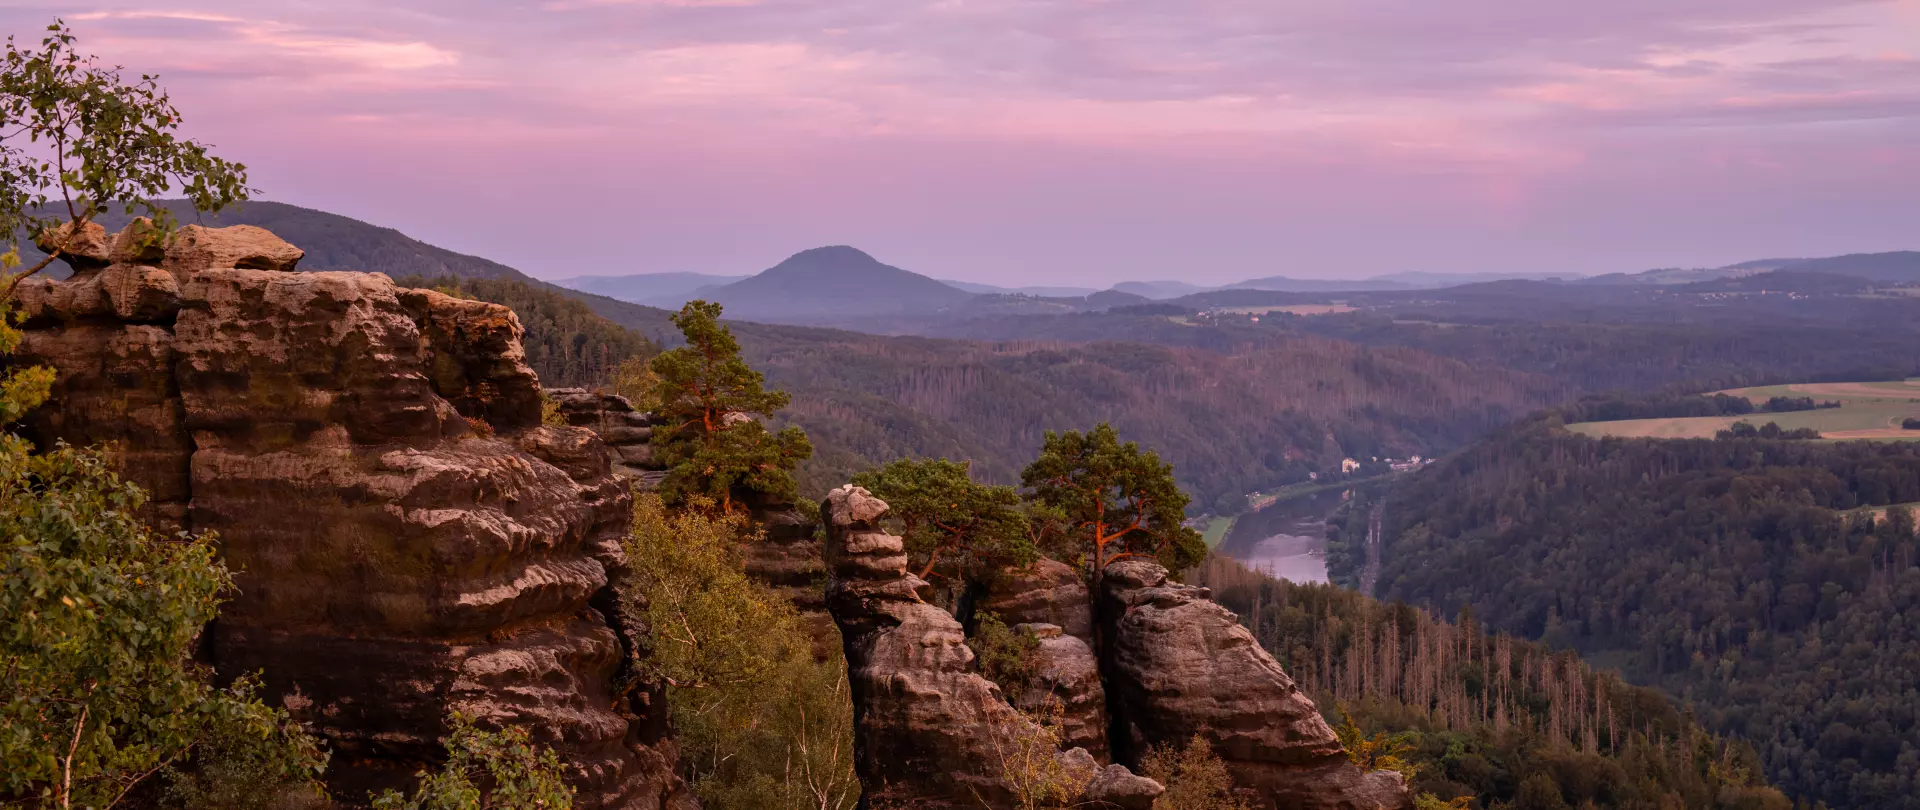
point(1216, 531)
point(1868, 410)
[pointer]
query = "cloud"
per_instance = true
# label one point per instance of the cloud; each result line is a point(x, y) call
point(1459, 119)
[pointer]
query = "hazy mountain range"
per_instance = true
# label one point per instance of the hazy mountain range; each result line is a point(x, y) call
point(826, 286)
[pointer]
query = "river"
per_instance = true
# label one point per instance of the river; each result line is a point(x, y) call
point(1287, 539)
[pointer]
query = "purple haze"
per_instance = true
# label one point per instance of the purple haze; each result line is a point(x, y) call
point(1062, 141)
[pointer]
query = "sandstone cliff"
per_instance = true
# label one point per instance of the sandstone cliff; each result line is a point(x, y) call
point(930, 732)
point(1170, 664)
point(407, 537)
point(1177, 664)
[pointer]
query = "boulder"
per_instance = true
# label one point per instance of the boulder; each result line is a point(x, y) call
point(1177, 664)
point(246, 247)
point(407, 539)
point(929, 732)
point(1046, 592)
point(86, 252)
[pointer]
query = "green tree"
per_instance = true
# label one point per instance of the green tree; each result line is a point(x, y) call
point(762, 724)
point(488, 770)
point(708, 438)
point(1117, 500)
point(944, 515)
point(1005, 656)
point(1194, 776)
point(78, 140)
point(98, 615)
point(98, 621)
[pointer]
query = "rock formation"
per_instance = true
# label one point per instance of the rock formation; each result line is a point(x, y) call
point(930, 732)
point(1177, 664)
point(1048, 601)
point(786, 558)
point(407, 537)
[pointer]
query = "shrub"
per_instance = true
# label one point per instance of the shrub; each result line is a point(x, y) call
point(488, 770)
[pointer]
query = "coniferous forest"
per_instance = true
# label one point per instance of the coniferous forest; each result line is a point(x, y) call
point(1771, 585)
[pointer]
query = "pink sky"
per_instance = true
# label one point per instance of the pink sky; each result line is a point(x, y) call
point(1062, 141)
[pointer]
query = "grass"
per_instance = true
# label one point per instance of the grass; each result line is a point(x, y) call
point(1868, 410)
point(1879, 513)
point(1216, 530)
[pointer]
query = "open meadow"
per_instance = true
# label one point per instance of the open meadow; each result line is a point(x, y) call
point(1868, 410)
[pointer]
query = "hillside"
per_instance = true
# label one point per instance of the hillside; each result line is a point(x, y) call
point(831, 284)
point(1488, 715)
point(1747, 577)
point(1286, 284)
point(1229, 423)
point(669, 289)
point(1900, 267)
point(567, 344)
point(334, 242)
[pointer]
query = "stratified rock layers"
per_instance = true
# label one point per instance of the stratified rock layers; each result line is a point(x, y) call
point(1177, 664)
point(929, 731)
point(407, 538)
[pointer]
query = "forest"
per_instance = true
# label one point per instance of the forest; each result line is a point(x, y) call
point(1230, 423)
point(1512, 723)
point(1764, 582)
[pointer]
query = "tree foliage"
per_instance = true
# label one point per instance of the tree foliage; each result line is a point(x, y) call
point(708, 438)
point(762, 724)
point(1194, 776)
point(77, 139)
point(947, 518)
point(488, 770)
point(98, 620)
point(1118, 500)
point(1769, 583)
point(1471, 716)
point(566, 344)
point(99, 616)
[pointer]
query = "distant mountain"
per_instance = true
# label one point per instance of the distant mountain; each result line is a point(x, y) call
point(1159, 290)
point(1422, 280)
point(1901, 267)
point(1793, 280)
point(1043, 292)
point(1898, 267)
point(830, 284)
point(1286, 284)
point(647, 288)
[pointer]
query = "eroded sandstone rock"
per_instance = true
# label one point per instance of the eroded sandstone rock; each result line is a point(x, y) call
point(929, 731)
point(407, 538)
point(1177, 664)
point(1046, 592)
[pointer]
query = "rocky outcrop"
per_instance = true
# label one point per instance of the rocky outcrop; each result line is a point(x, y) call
point(407, 537)
point(1177, 664)
point(929, 731)
point(786, 557)
point(1048, 601)
point(1046, 592)
point(627, 432)
point(1065, 683)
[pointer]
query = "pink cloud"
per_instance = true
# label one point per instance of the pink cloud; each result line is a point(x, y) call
point(994, 137)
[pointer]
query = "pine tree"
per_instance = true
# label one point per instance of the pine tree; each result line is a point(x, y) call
point(945, 516)
point(1118, 501)
point(708, 396)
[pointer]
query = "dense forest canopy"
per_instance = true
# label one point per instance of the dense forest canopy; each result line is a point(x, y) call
point(1511, 723)
point(1765, 582)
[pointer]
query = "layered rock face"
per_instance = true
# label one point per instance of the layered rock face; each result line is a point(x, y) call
point(930, 732)
point(786, 558)
point(1048, 601)
point(408, 539)
point(1177, 664)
